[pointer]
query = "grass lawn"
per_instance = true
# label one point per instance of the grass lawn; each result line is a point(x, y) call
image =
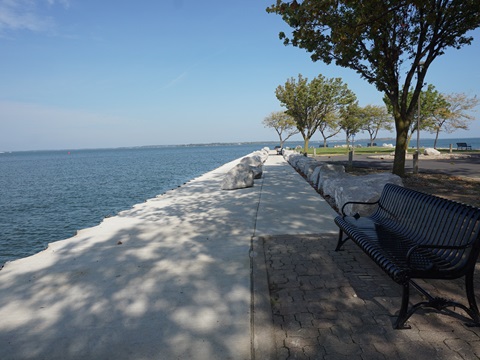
point(373, 150)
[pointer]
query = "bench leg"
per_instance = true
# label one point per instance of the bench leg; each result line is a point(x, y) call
point(403, 315)
point(473, 311)
point(437, 303)
point(341, 241)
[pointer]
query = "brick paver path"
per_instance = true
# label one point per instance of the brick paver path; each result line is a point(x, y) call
point(340, 305)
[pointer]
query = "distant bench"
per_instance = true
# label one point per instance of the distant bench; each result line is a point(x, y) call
point(463, 146)
point(412, 235)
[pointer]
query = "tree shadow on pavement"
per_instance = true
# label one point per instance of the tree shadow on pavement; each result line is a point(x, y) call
point(328, 304)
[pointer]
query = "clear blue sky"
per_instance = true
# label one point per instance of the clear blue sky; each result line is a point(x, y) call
point(89, 73)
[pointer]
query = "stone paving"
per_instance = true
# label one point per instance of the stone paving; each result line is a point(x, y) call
point(340, 305)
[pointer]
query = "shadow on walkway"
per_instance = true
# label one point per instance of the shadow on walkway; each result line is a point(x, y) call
point(340, 305)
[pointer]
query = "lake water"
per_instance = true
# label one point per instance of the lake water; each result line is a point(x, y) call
point(47, 196)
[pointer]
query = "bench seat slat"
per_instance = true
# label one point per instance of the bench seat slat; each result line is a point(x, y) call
point(389, 249)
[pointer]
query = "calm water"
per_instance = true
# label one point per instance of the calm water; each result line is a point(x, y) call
point(47, 196)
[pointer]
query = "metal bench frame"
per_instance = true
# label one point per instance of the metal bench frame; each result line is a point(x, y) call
point(464, 146)
point(413, 235)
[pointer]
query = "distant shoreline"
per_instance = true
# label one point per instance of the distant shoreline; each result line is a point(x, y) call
point(259, 143)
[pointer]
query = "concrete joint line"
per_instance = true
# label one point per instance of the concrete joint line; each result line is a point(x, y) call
point(261, 322)
point(262, 340)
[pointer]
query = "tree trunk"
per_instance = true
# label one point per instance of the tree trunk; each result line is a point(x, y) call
point(305, 144)
point(401, 146)
point(436, 138)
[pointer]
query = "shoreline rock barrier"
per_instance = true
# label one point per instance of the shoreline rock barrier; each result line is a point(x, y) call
point(332, 181)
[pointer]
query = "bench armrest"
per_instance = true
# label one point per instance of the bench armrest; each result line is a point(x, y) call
point(356, 202)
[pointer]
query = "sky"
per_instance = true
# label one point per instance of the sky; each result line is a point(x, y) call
point(99, 74)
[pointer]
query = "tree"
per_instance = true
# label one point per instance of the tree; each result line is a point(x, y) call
point(311, 103)
point(386, 42)
point(351, 121)
point(329, 128)
point(282, 123)
point(431, 102)
point(376, 118)
point(455, 115)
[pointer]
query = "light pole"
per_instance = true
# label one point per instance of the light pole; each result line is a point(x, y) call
point(416, 156)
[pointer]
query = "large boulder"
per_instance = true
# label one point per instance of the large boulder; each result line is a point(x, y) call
point(309, 168)
point(314, 178)
point(300, 162)
point(257, 171)
point(262, 153)
point(239, 177)
point(252, 160)
point(328, 171)
point(365, 188)
point(291, 157)
point(431, 152)
point(331, 181)
point(304, 164)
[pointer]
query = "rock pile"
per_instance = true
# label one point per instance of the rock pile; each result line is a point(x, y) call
point(249, 168)
point(332, 181)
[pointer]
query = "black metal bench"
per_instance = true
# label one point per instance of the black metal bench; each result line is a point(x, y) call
point(463, 146)
point(412, 235)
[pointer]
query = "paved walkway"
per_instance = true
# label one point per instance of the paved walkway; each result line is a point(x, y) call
point(339, 305)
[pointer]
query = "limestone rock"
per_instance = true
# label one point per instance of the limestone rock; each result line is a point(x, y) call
point(239, 177)
point(257, 171)
point(309, 168)
point(431, 152)
point(365, 188)
point(299, 162)
point(315, 175)
point(263, 154)
point(328, 171)
point(252, 160)
point(331, 182)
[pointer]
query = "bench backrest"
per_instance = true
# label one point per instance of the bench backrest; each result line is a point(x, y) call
point(461, 144)
point(431, 220)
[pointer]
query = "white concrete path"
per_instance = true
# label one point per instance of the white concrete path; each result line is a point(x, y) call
point(167, 279)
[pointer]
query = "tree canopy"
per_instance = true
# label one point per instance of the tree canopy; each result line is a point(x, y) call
point(283, 124)
point(376, 118)
point(457, 114)
point(441, 112)
point(386, 42)
point(351, 121)
point(329, 128)
point(431, 102)
point(312, 103)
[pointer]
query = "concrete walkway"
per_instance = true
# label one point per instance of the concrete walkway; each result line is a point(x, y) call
point(289, 205)
point(167, 279)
